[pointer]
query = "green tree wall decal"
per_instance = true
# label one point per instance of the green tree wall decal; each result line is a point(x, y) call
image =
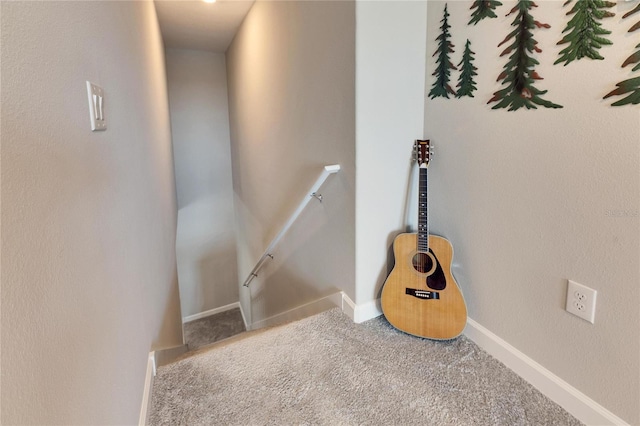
point(519, 73)
point(631, 12)
point(466, 85)
point(584, 32)
point(630, 87)
point(483, 9)
point(444, 65)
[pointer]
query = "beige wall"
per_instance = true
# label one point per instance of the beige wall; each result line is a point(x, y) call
point(89, 282)
point(524, 198)
point(291, 71)
point(206, 245)
point(389, 117)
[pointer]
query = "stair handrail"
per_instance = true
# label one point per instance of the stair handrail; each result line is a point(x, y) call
point(312, 193)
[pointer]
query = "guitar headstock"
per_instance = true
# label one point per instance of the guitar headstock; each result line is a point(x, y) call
point(423, 151)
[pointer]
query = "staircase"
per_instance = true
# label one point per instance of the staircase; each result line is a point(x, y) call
point(227, 327)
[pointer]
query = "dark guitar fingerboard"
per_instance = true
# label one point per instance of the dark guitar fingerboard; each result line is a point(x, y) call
point(423, 214)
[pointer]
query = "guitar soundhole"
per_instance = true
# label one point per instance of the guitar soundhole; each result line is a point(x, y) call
point(422, 262)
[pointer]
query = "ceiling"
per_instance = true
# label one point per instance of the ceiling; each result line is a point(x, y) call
point(188, 24)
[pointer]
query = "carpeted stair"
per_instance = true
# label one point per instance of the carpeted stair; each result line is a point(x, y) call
point(208, 330)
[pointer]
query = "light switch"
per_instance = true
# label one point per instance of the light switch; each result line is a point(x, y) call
point(96, 107)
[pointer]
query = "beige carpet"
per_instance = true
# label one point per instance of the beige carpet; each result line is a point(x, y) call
point(326, 370)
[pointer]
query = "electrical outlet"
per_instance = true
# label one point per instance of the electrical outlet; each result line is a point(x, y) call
point(581, 301)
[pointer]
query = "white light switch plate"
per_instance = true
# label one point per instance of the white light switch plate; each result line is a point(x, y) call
point(96, 106)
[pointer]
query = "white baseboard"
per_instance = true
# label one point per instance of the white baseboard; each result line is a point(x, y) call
point(363, 312)
point(562, 393)
point(148, 387)
point(348, 306)
point(247, 326)
point(300, 312)
point(210, 312)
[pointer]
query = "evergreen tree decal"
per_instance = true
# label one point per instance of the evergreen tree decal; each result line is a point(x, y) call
point(483, 9)
point(631, 12)
point(632, 85)
point(584, 32)
point(444, 66)
point(519, 73)
point(466, 86)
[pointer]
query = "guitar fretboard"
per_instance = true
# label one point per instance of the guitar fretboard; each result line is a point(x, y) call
point(423, 214)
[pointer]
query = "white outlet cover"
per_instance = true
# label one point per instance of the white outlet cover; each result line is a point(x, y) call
point(96, 106)
point(581, 301)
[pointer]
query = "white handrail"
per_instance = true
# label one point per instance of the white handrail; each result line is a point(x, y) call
point(328, 170)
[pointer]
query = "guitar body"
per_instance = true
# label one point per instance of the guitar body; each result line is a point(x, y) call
point(420, 296)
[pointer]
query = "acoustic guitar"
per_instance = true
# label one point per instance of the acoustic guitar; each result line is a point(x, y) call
point(420, 296)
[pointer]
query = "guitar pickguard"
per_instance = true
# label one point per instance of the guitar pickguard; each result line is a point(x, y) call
point(437, 280)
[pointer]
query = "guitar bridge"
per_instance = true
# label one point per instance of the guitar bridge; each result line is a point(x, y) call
point(422, 294)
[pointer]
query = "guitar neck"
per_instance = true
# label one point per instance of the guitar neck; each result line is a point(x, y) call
point(423, 211)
